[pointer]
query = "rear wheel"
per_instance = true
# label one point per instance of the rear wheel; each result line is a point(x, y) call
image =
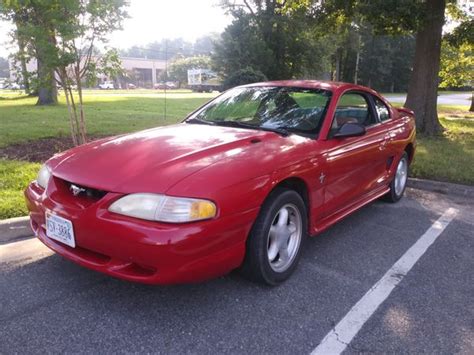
point(274, 244)
point(399, 182)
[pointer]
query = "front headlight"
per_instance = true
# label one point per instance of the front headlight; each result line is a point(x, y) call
point(163, 208)
point(43, 176)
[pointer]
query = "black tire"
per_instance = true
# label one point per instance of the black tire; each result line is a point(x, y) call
point(256, 265)
point(392, 196)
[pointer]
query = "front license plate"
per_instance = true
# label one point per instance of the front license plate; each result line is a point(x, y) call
point(60, 229)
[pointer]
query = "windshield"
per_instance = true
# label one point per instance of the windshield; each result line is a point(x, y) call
point(273, 108)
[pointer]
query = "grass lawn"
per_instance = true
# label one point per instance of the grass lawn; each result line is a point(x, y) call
point(448, 158)
point(107, 112)
point(14, 176)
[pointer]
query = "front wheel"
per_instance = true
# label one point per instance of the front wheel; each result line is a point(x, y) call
point(274, 243)
point(399, 182)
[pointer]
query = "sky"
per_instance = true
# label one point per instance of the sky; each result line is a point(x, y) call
point(153, 20)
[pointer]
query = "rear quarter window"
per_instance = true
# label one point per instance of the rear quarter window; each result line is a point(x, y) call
point(382, 110)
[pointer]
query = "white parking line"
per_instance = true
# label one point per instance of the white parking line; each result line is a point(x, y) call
point(336, 341)
point(24, 251)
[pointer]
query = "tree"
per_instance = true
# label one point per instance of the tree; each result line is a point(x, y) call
point(241, 46)
point(172, 48)
point(83, 24)
point(21, 56)
point(62, 36)
point(457, 65)
point(205, 45)
point(266, 35)
point(34, 35)
point(106, 64)
point(385, 61)
point(423, 88)
point(242, 77)
point(422, 18)
point(462, 38)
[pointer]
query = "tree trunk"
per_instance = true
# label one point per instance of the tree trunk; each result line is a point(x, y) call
point(82, 120)
point(72, 124)
point(22, 56)
point(47, 91)
point(423, 86)
point(356, 72)
point(337, 75)
point(472, 103)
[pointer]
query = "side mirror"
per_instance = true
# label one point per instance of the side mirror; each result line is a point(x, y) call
point(350, 129)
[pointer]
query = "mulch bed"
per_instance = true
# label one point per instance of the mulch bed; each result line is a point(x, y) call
point(38, 150)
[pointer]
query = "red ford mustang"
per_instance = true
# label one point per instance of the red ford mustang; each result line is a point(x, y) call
point(239, 184)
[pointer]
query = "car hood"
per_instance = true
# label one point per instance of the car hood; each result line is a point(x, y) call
point(155, 159)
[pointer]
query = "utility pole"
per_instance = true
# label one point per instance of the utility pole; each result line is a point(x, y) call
point(166, 70)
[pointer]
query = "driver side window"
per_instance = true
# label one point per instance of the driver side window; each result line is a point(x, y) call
point(352, 107)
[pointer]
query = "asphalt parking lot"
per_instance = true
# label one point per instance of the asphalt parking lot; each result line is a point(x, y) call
point(50, 305)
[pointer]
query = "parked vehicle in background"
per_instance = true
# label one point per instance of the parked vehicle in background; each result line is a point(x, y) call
point(169, 85)
point(240, 183)
point(131, 86)
point(204, 80)
point(107, 85)
point(7, 84)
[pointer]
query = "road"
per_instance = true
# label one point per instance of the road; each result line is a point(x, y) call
point(50, 305)
point(462, 98)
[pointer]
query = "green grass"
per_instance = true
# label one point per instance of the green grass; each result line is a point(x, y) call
point(14, 176)
point(107, 113)
point(448, 158)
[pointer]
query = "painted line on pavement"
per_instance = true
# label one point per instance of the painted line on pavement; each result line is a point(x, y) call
point(336, 341)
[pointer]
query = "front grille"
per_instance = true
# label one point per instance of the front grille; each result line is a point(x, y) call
point(83, 191)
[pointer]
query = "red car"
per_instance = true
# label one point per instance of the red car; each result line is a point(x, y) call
point(239, 184)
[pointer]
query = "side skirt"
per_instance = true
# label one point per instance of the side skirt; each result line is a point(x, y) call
point(336, 217)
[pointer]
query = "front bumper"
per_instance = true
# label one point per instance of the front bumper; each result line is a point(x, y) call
point(139, 250)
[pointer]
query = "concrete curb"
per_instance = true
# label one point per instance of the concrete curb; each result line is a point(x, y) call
point(14, 220)
point(445, 188)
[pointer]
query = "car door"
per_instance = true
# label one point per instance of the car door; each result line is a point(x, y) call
point(353, 164)
point(391, 128)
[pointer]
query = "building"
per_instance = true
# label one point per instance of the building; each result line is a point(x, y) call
point(141, 72)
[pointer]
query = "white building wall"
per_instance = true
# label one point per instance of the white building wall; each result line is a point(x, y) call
point(156, 65)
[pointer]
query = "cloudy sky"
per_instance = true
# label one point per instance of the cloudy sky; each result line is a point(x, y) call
point(152, 20)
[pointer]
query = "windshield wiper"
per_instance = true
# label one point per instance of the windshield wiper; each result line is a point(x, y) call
point(280, 131)
point(199, 121)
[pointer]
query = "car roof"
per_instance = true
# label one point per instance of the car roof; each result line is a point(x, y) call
point(313, 84)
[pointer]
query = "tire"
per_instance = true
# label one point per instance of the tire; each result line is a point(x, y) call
point(274, 244)
point(399, 182)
